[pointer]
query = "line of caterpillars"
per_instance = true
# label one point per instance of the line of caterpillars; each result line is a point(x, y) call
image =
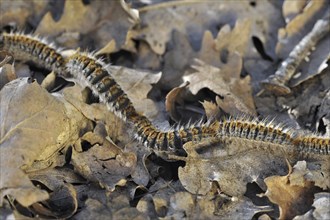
point(90, 72)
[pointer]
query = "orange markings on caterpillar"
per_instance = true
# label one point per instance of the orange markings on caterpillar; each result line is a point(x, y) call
point(28, 48)
point(90, 72)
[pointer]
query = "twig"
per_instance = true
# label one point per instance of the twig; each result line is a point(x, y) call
point(277, 83)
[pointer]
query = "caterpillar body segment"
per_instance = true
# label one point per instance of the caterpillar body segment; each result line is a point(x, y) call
point(28, 48)
point(255, 131)
point(313, 144)
point(91, 72)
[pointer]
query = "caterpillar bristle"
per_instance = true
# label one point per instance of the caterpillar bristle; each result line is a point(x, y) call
point(28, 48)
point(89, 71)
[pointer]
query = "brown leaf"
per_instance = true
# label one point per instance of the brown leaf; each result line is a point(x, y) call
point(100, 21)
point(10, 10)
point(293, 197)
point(108, 49)
point(7, 74)
point(232, 163)
point(34, 126)
point(215, 51)
point(106, 164)
point(212, 110)
point(240, 208)
point(137, 85)
point(192, 18)
point(226, 82)
point(75, 14)
point(62, 203)
point(172, 98)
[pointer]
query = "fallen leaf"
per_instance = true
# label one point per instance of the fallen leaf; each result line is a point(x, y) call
point(7, 74)
point(106, 164)
point(192, 18)
point(172, 98)
point(240, 208)
point(292, 197)
point(226, 82)
point(74, 14)
point(98, 20)
point(212, 110)
point(137, 85)
point(231, 163)
point(28, 134)
point(27, 11)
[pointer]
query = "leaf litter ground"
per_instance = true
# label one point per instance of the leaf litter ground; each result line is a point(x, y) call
point(64, 155)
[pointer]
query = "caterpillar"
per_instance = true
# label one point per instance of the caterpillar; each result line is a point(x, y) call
point(92, 72)
point(31, 48)
point(312, 144)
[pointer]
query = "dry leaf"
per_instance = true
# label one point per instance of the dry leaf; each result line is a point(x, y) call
point(101, 21)
point(31, 10)
point(172, 98)
point(75, 13)
point(212, 110)
point(104, 164)
point(240, 208)
point(193, 17)
point(137, 85)
point(7, 74)
point(231, 163)
point(62, 203)
point(226, 82)
point(34, 126)
point(292, 198)
point(215, 51)
point(176, 60)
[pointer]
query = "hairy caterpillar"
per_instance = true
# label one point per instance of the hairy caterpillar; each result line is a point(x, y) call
point(29, 48)
point(90, 72)
point(312, 144)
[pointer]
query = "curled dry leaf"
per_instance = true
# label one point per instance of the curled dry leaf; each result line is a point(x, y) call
point(34, 126)
point(226, 82)
point(173, 97)
point(62, 203)
point(293, 193)
point(56, 177)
